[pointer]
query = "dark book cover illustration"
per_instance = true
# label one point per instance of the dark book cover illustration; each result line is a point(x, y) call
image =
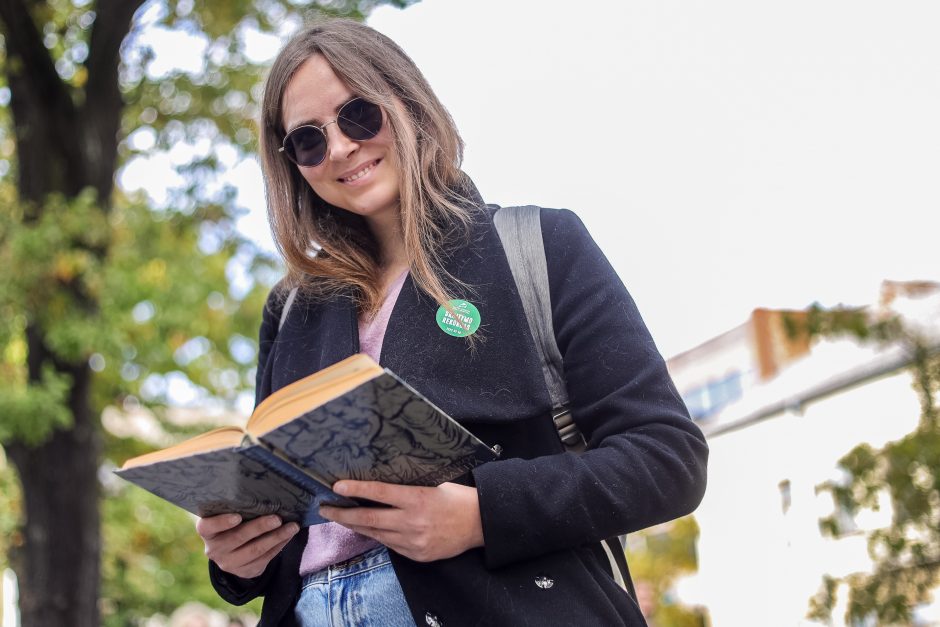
point(373, 427)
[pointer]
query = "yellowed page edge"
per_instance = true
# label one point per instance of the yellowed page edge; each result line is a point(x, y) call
point(312, 391)
point(223, 437)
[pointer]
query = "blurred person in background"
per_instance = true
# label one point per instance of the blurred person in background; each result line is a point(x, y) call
point(379, 228)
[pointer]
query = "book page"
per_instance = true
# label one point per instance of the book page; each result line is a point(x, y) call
point(311, 391)
point(223, 437)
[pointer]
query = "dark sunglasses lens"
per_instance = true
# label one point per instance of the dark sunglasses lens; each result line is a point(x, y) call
point(360, 119)
point(306, 146)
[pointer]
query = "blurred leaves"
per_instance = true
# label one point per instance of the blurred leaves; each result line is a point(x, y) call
point(153, 560)
point(855, 322)
point(657, 558)
point(31, 412)
point(11, 514)
point(906, 555)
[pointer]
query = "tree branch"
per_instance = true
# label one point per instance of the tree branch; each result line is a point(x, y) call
point(24, 41)
point(101, 111)
point(42, 108)
point(111, 26)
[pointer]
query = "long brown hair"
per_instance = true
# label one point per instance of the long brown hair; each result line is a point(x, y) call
point(330, 251)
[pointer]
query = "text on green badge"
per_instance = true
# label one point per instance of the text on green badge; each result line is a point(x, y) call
point(464, 321)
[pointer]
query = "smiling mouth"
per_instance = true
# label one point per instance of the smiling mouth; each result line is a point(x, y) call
point(360, 173)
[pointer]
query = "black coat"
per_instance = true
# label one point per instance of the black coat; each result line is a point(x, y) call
point(543, 510)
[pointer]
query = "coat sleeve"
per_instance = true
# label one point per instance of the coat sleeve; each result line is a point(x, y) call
point(237, 590)
point(646, 459)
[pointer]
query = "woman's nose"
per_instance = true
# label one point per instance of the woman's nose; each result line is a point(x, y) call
point(338, 145)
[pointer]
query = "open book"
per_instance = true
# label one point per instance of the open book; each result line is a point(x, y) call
point(353, 420)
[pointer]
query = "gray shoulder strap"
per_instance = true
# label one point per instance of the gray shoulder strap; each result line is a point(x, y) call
point(520, 229)
point(287, 304)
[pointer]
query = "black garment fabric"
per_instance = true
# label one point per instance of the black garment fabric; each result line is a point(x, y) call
point(543, 510)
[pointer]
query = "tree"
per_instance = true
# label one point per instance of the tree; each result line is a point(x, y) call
point(905, 555)
point(105, 300)
point(658, 556)
point(9, 516)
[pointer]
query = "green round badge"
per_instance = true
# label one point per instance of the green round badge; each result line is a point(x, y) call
point(464, 322)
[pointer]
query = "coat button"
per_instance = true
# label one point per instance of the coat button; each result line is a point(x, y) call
point(432, 620)
point(544, 582)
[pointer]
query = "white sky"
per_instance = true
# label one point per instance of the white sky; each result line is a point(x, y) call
point(725, 155)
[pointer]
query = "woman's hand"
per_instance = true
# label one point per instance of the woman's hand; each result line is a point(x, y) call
point(423, 524)
point(244, 549)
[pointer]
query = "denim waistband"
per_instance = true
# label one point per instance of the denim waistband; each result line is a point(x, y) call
point(373, 558)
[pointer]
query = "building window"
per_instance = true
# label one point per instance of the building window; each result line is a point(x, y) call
point(709, 399)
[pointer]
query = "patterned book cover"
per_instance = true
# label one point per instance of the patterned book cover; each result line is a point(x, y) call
point(232, 480)
point(383, 430)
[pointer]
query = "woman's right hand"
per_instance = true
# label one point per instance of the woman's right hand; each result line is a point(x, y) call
point(244, 549)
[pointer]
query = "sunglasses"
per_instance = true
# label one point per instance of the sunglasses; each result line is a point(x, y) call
point(358, 120)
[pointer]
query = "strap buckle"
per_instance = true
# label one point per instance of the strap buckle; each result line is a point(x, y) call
point(571, 437)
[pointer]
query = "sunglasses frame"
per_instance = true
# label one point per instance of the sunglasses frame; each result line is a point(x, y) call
point(322, 130)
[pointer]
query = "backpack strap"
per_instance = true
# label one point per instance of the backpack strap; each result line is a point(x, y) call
point(520, 231)
point(287, 304)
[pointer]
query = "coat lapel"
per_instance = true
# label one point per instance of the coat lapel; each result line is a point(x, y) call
point(341, 319)
point(315, 335)
point(469, 380)
point(412, 334)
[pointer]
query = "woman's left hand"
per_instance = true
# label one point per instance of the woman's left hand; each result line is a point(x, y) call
point(423, 524)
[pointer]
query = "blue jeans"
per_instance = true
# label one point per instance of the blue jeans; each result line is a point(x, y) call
point(361, 592)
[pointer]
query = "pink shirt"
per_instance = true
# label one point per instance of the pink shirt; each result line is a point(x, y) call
point(329, 543)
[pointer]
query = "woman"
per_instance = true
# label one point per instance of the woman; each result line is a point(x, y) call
point(379, 228)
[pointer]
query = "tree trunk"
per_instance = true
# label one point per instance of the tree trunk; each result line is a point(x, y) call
point(58, 564)
point(62, 148)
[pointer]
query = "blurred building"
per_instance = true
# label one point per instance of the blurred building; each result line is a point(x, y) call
point(779, 412)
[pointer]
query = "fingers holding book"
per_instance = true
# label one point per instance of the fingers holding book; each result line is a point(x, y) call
point(244, 549)
point(422, 523)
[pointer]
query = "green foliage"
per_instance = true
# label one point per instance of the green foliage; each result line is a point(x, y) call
point(820, 606)
point(11, 517)
point(11, 511)
point(58, 270)
point(854, 322)
point(906, 472)
point(167, 307)
point(131, 309)
point(657, 558)
point(31, 413)
point(152, 560)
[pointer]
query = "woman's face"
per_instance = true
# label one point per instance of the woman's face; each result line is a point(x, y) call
point(359, 176)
